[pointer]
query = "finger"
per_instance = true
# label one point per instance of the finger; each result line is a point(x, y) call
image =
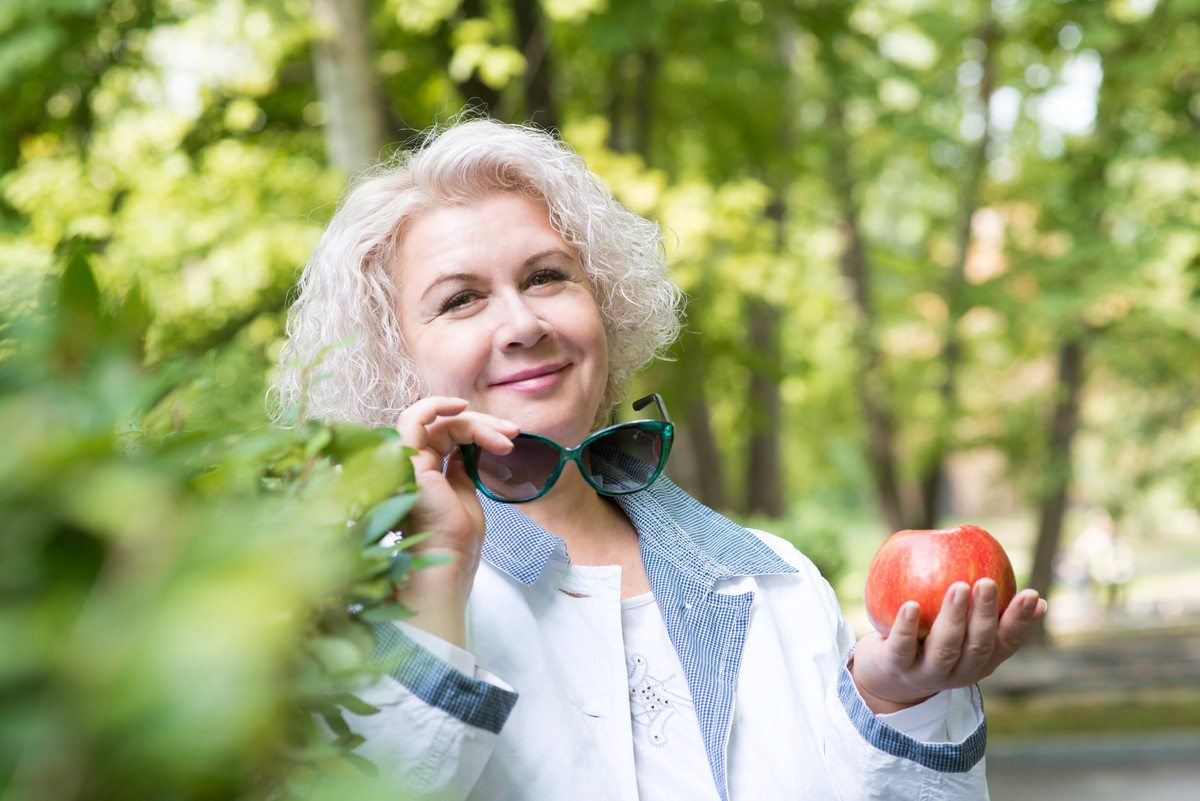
point(444, 435)
point(422, 412)
point(456, 474)
point(447, 503)
point(434, 426)
point(943, 646)
point(980, 641)
point(1025, 608)
point(902, 642)
point(1031, 599)
point(434, 410)
point(464, 488)
point(412, 422)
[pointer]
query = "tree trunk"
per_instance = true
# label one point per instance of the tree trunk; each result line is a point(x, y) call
point(933, 474)
point(710, 476)
point(477, 94)
point(631, 79)
point(355, 124)
point(643, 103)
point(1107, 141)
point(1054, 506)
point(696, 462)
point(535, 46)
point(764, 474)
point(868, 381)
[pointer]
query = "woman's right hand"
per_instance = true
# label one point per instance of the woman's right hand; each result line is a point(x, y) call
point(447, 506)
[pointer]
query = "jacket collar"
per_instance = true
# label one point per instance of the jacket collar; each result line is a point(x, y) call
point(695, 540)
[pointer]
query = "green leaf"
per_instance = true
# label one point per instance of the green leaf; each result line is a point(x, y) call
point(385, 613)
point(317, 442)
point(385, 516)
point(336, 654)
point(78, 292)
point(354, 704)
point(430, 560)
point(363, 765)
point(132, 319)
point(79, 309)
point(372, 591)
point(399, 565)
point(410, 540)
point(371, 475)
point(351, 741)
point(351, 438)
point(337, 724)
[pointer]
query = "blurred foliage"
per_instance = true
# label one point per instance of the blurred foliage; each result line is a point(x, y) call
point(184, 140)
point(183, 606)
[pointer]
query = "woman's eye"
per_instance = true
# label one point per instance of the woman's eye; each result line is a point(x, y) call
point(543, 277)
point(456, 300)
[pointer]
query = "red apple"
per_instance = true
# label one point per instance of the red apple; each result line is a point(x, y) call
point(921, 565)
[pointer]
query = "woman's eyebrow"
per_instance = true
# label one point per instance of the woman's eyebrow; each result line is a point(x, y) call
point(458, 278)
point(449, 278)
point(536, 257)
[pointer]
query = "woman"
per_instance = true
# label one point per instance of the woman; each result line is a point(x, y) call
point(600, 641)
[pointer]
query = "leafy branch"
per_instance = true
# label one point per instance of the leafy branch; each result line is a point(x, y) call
point(184, 603)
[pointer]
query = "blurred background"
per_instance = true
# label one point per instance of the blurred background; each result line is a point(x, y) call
point(942, 261)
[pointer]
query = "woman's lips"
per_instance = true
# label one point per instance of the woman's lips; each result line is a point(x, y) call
point(535, 380)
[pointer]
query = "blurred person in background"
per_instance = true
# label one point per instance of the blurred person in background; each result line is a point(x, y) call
point(1098, 558)
point(593, 632)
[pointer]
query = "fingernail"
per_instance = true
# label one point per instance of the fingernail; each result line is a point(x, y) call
point(961, 593)
point(911, 612)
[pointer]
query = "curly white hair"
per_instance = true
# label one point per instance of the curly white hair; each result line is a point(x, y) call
point(345, 359)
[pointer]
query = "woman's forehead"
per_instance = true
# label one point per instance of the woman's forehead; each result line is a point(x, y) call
point(500, 229)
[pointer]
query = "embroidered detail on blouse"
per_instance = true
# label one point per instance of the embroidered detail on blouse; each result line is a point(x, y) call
point(652, 702)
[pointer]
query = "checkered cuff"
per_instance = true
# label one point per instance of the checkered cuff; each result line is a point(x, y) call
point(943, 757)
point(473, 701)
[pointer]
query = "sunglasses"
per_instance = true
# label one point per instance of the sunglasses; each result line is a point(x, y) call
point(617, 460)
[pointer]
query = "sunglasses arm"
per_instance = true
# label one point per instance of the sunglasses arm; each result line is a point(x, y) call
point(642, 403)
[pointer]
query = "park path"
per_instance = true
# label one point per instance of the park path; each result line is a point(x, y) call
point(1151, 767)
point(1146, 766)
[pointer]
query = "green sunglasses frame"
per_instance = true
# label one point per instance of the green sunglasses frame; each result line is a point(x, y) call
point(664, 427)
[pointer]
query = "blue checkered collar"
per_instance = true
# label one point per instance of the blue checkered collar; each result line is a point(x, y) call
point(693, 539)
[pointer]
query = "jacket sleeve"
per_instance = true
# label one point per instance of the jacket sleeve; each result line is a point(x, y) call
point(882, 761)
point(931, 751)
point(439, 715)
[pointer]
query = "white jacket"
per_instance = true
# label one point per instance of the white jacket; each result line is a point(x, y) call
point(537, 708)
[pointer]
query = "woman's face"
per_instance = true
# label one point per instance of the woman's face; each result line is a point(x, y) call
point(496, 308)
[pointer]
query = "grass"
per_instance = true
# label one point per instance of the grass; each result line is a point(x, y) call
point(1141, 711)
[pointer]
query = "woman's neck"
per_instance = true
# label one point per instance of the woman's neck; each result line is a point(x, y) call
point(594, 529)
point(574, 511)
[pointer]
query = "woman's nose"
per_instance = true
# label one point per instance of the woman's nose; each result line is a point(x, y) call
point(521, 326)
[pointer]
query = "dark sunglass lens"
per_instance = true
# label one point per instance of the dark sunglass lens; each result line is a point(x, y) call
point(521, 473)
point(626, 460)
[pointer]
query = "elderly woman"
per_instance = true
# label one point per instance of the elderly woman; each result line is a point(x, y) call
point(595, 633)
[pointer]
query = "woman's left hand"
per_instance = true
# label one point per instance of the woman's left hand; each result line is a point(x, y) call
point(968, 640)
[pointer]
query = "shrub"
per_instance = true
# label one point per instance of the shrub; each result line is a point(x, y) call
point(184, 603)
